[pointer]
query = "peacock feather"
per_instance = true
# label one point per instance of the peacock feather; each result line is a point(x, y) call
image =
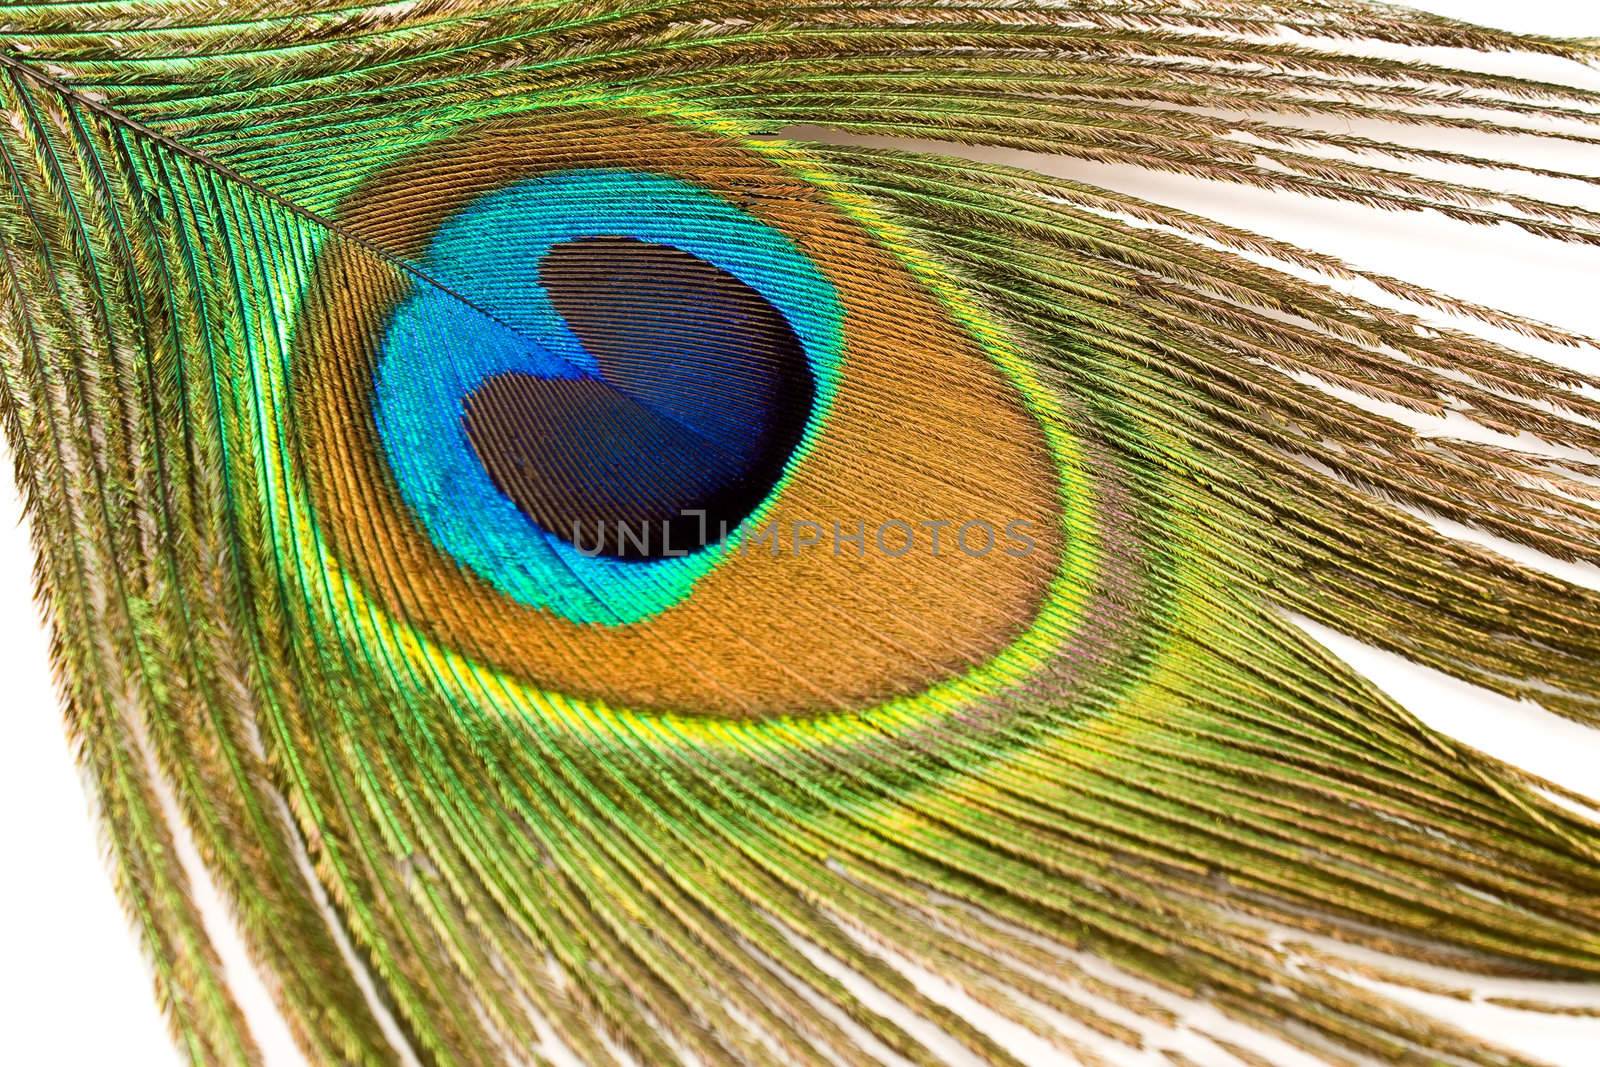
point(612, 547)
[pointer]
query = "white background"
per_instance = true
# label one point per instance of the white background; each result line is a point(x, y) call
point(75, 990)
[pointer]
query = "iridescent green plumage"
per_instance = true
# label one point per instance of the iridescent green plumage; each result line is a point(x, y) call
point(739, 810)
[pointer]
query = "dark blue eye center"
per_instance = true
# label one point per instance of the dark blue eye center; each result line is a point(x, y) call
point(702, 394)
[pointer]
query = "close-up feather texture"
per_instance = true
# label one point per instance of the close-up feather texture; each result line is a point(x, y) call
point(681, 533)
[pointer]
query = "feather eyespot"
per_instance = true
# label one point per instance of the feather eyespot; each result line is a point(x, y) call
point(819, 326)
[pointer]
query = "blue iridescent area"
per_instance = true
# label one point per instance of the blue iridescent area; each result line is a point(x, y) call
point(437, 351)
